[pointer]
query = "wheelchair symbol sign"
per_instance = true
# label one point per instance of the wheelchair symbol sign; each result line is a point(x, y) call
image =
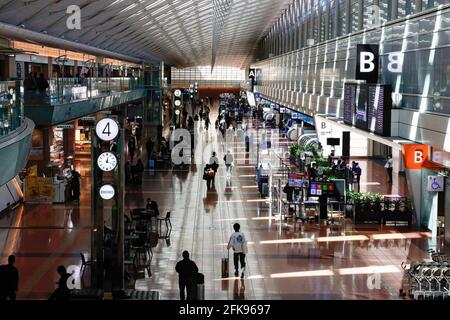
point(435, 184)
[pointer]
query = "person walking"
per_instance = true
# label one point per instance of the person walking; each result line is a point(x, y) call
point(208, 175)
point(207, 122)
point(9, 280)
point(42, 84)
point(62, 292)
point(214, 163)
point(229, 163)
point(187, 269)
point(239, 244)
point(389, 167)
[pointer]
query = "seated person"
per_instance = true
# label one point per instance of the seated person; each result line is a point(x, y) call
point(152, 205)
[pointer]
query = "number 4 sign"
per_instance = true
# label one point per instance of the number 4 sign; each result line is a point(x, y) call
point(107, 129)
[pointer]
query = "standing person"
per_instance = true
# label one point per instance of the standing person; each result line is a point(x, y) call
point(312, 172)
point(9, 280)
point(62, 292)
point(131, 147)
point(229, 163)
point(389, 167)
point(42, 84)
point(75, 183)
point(149, 145)
point(357, 173)
point(29, 83)
point(239, 244)
point(186, 269)
point(152, 205)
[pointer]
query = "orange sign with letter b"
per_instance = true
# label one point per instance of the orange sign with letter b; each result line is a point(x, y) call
point(415, 155)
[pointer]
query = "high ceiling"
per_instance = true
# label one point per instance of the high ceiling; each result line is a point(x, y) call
point(179, 32)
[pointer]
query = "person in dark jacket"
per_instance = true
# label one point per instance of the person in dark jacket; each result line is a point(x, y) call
point(42, 84)
point(152, 205)
point(75, 185)
point(62, 292)
point(9, 280)
point(187, 269)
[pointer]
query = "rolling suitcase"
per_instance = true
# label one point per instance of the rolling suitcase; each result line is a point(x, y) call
point(225, 268)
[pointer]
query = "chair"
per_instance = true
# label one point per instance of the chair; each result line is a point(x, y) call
point(168, 223)
point(84, 263)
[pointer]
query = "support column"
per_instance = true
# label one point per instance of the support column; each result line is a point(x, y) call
point(69, 142)
point(326, 16)
point(361, 15)
point(348, 17)
point(50, 68)
point(336, 20)
point(418, 6)
point(394, 13)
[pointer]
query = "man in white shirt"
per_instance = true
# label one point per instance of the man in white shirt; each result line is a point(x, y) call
point(389, 167)
point(229, 163)
point(239, 244)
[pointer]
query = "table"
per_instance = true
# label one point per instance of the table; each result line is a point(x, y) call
point(312, 205)
point(340, 213)
point(144, 215)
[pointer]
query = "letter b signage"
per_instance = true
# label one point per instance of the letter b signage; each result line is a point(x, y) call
point(367, 62)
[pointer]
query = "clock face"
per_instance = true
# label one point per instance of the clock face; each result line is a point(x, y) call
point(107, 161)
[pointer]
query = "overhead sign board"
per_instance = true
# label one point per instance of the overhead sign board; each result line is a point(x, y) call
point(367, 62)
point(107, 129)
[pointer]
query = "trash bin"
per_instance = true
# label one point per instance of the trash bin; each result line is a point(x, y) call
point(200, 281)
point(201, 291)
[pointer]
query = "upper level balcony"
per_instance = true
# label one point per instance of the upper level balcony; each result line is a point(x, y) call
point(71, 98)
point(15, 131)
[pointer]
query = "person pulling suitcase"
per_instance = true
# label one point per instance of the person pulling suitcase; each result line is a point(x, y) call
point(239, 244)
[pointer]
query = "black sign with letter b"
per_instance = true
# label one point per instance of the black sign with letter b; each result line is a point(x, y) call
point(367, 62)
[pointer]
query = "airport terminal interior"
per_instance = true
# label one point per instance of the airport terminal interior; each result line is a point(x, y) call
point(225, 150)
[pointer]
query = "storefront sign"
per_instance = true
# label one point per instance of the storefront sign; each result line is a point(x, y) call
point(65, 126)
point(435, 183)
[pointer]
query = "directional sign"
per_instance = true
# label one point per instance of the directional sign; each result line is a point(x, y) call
point(107, 129)
point(107, 192)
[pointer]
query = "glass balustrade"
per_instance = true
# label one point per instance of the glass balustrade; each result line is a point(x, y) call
point(11, 107)
point(67, 90)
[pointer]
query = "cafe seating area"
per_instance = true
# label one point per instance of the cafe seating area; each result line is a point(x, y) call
point(143, 229)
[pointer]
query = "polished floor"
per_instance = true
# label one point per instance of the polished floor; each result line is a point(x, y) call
point(285, 260)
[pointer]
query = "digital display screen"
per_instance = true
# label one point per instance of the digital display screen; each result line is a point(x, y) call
point(317, 189)
point(368, 107)
point(349, 103)
point(361, 107)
